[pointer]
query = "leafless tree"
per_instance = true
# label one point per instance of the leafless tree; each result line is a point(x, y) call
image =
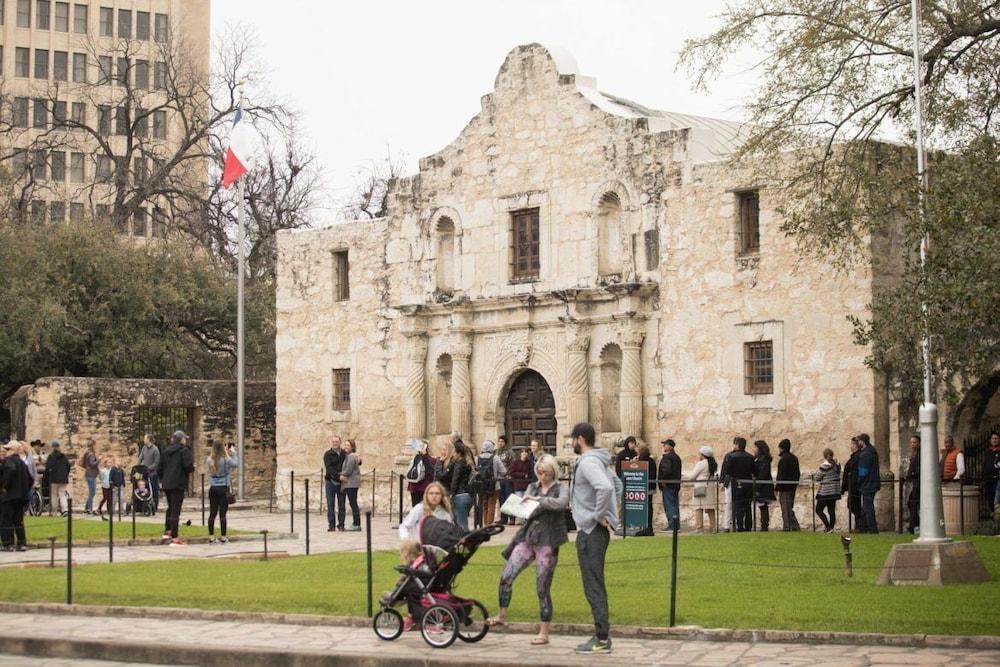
point(370, 197)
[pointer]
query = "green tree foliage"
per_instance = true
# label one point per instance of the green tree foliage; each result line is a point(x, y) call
point(828, 131)
point(79, 301)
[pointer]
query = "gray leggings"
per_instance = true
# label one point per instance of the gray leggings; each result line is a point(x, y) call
point(545, 558)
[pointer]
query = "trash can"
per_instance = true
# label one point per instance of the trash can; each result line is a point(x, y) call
point(951, 498)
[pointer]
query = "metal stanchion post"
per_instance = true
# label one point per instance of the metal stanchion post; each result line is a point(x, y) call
point(391, 499)
point(374, 482)
point(291, 502)
point(69, 551)
point(673, 578)
point(622, 508)
point(401, 498)
point(133, 520)
point(307, 516)
point(753, 505)
point(812, 492)
point(717, 521)
point(52, 551)
point(322, 488)
point(368, 558)
point(961, 506)
point(203, 499)
point(264, 533)
point(111, 535)
point(899, 503)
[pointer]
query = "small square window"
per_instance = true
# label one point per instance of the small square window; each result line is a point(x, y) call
point(758, 367)
point(748, 204)
point(341, 389)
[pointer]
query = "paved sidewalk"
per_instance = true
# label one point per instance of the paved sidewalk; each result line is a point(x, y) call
point(249, 644)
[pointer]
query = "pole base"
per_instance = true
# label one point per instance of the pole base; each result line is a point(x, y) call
point(933, 564)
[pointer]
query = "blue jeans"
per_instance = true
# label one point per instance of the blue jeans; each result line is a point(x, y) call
point(671, 506)
point(332, 492)
point(866, 519)
point(506, 490)
point(88, 506)
point(462, 502)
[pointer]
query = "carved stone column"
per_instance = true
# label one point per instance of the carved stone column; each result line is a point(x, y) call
point(630, 398)
point(461, 386)
point(415, 402)
point(578, 385)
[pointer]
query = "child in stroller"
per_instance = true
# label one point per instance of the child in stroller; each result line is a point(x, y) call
point(142, 496)
point(426, 586)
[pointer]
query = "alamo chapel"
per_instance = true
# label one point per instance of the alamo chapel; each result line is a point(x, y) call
point(570, 256)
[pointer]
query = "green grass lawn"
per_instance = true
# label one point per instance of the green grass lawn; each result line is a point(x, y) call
point(758, 580)
point(39, 528)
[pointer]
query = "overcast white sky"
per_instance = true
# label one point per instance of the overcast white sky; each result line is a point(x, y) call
point(369, 74)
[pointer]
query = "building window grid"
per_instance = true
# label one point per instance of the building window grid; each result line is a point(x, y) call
point(341, 276)
point(40, 115)
point(80, 68)
point(22, 67)
point(60, 65)
point(104, 66)
point(758, 367)
point(107, 22)
point(125, 23)
point(524, 245)
point(341, 389)
point(80, 19)
point(160, 28)
point(42, 10)
point(41, 64)
point(749, 219)
point(142, 26)
point(62, 17)
point(20, 118)
point(23, 13)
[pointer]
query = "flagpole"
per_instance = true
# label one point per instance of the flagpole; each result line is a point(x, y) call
point(240, 350)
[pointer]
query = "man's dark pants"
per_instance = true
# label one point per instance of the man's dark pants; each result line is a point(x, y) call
point(332, 493)
point(175, 497)
point(741, 509)
point(866, 520)
point(12, 522)
point(786, 499)
point(154, 487)
point(591, 548)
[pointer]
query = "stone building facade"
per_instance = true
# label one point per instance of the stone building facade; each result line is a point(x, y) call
point(570, 256)
point(118, 412)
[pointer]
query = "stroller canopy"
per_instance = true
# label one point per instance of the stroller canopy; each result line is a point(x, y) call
point(439, 533)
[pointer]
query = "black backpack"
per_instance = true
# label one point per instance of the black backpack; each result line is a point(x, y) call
point(482, 479)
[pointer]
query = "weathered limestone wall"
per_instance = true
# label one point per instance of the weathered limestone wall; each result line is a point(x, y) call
point(546, 138)
point(73, 410)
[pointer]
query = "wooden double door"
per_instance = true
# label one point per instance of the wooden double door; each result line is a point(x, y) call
point(530, 412)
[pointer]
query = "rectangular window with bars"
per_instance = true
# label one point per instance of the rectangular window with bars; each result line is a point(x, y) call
point(23, 13)
point(62, 17)
point(21, 65)
point(41, 63)
point(42, 8)
point(60, 65)
point(341, 276)
point(80, 19)
point(758, 367)
point(107, 22)
point(125, 23)
point(160, 27)
point(20, 118)
point(142, 26)
point(341, 389)
point(80, 68)
point(651, 239)
point(524, 255)
point(748, 204)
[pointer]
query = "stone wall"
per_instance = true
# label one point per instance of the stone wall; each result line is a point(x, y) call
point(73, 410)
point(675, 318)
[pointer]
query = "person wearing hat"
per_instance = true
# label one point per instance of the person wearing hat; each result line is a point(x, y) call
point(176, 464)
point(869, 483)
point(706, 489)
point(57, 469)
point(15, 484)
point(668, 476)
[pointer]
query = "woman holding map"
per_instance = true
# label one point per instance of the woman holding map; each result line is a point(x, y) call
point(539, 539)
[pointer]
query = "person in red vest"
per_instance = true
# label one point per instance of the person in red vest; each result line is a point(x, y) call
point(952, 462)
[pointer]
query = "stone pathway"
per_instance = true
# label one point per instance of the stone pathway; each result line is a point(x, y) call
point(249, 644)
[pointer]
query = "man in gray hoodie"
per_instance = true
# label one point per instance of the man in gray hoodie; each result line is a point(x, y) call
point(594, 502)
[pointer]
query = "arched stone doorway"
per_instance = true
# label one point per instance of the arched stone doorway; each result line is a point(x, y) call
point(530, 412)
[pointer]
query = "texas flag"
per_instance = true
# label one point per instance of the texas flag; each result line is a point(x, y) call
point(239, 155)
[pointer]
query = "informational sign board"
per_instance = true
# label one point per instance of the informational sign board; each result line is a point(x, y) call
point(635, 480)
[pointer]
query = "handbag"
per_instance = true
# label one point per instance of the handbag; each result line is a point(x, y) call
point(230, 496)
point(700, 491)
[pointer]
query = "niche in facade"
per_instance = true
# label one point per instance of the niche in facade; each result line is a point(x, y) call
point(445, 232)
point(609, 235)
point(442, 395)
point(611, 383)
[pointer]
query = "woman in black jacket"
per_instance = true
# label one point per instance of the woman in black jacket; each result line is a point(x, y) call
point(763, 482)
point(627, 453)
point(849, 482)
point(457, 470)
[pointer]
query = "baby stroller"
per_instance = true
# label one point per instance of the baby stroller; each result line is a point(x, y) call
point(140, 499)
point(427, 590)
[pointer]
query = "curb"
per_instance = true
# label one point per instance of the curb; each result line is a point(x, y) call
point(687, 633)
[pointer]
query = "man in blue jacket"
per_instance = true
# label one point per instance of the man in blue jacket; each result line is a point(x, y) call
point(595, 511)
point(868, 484)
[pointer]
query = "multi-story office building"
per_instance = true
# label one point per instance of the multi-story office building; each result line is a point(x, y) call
point(94, 99)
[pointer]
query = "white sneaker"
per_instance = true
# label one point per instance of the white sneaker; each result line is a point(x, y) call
point(223, 539)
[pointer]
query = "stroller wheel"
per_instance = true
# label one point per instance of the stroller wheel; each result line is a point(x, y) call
point(473, 627)
point(439, 626)
point(388, 624)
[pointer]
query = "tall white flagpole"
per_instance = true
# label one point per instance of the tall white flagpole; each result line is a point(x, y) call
point(931, 511)
point(240, 349)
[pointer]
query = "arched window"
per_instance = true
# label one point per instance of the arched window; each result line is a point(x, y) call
point(611, 382)
point(445, 254)
point(609, 232)
point(442, 395)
